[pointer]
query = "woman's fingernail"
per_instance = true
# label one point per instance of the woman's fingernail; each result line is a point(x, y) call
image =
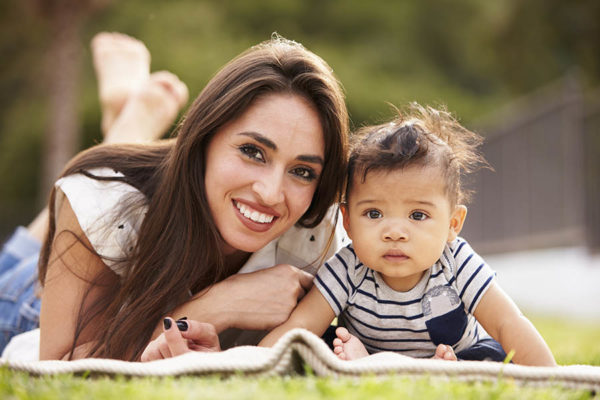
point(182, 319)
point(167, 323)
point(182, 325)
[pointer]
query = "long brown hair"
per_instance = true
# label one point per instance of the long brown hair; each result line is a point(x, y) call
point(176, 252)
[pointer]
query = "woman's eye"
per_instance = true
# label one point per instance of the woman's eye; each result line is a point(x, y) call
point(418, 216)
point(373, 214)
point(252, 152)
point(305, 173)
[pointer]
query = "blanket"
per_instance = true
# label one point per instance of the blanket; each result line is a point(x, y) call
point(299, 349)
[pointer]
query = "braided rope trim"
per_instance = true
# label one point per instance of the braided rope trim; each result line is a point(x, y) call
point(300, 346)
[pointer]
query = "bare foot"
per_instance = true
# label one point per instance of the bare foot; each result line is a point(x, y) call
point(444, 352)
point(122, 66)
point(347, 346)
point(149, 111)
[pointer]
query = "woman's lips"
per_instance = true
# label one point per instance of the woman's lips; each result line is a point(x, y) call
point(252, 218)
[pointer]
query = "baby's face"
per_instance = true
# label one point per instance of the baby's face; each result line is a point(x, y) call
point(400, 221)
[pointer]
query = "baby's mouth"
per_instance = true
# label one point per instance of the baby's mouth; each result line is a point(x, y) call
point(395, 255)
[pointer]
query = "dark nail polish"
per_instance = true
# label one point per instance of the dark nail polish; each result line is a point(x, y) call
point(182, 319)
point(182, 325)
point(167, 323)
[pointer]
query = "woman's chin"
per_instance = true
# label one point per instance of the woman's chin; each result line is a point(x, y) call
point(246, 245)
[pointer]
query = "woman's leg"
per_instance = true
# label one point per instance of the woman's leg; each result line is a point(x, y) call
point(19, 306)
point(136, 106)
point(122, 65)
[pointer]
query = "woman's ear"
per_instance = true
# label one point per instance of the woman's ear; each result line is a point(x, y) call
point(346, 218)
point(457, 221)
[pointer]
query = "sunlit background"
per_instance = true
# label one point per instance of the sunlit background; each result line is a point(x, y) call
point(523, 73)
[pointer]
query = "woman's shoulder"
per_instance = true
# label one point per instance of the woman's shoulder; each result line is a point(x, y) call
point(109, 212)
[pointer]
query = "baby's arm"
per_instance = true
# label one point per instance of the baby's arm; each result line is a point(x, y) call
point(313, 313)
point(503, 320)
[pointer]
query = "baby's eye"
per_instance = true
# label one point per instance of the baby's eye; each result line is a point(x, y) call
point(308, 174)
point(373, 214)
point(419, 216)
point(252, 152)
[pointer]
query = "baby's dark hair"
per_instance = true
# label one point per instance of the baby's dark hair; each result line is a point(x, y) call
point(420, 136)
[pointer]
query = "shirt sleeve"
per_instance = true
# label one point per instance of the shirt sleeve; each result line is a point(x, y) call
point(98, 206)
point(333, 279)
point(473, 276)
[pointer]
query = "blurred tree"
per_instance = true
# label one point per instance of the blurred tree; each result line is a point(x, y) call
point(62, 71)
point(472, 55)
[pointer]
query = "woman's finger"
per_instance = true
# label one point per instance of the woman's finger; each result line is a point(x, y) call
point(151, 351)
point(202, 334)
point(164, 351)
point(175, 342)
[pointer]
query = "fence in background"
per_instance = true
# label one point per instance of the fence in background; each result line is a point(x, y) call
point(545, 190)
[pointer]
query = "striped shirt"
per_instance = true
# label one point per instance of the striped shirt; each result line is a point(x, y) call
point(439, 309)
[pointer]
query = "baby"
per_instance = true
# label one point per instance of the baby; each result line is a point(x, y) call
point(407, 283)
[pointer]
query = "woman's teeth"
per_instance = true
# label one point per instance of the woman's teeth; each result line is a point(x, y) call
point(253, 214)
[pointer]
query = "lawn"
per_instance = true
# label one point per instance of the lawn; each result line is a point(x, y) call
point(573, 342)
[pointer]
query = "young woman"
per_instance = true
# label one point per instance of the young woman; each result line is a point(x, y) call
point(141, 232)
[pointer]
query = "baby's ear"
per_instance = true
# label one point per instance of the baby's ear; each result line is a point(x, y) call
point(457, 221)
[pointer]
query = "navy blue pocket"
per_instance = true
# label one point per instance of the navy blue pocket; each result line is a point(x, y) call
point(448, 328)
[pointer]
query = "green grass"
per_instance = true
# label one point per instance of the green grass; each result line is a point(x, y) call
point(21, 386)
point(571, 342)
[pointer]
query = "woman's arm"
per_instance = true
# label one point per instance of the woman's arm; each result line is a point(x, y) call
point(313, 313)
point(259, 300)
point(503, 320)
point(71, 269)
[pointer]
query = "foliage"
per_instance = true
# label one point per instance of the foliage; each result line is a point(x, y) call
point(472, 55)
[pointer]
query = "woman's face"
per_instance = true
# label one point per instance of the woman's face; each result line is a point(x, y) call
point(262, 170)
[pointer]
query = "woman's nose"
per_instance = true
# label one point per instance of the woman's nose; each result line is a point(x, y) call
point(269, 189)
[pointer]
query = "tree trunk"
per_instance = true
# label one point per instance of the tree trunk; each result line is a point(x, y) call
point(63, 67)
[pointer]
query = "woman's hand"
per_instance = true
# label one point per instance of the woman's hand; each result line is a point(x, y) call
point(258, 300)
point(182, 336)
point(263, 299)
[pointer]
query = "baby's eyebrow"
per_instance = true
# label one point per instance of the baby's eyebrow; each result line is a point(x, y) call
point(424, 203)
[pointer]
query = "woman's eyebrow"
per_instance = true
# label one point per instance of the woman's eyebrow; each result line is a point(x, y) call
point(270, 144)
point(261, 139)
point(311, 159)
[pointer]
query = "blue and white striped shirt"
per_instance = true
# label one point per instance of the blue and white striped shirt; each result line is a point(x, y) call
point(439, 309)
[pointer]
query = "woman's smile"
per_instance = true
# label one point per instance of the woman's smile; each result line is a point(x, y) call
point(254, 219)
